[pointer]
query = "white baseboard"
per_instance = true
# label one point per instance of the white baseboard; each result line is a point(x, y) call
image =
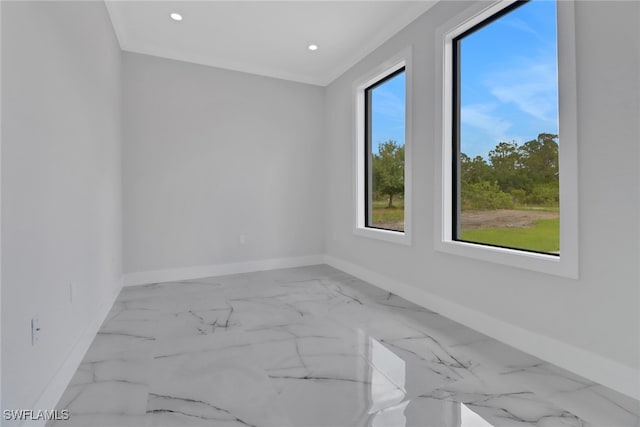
point(599, 369)
point(197, 272)
point(58, 384)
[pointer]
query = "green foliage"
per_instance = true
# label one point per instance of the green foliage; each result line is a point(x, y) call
point(526, 174)
point(476, 169)
point(388, 170)
point(519, 196)
point(484, 196)
point(544, 194)
point(544, 236)
point(506, 161)
point(540, 158)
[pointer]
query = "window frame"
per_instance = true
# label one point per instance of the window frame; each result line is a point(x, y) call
point(368, 144)
point(377, 76)
point(566, 264)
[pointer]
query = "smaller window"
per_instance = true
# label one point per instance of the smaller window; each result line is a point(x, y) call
point(384, 152)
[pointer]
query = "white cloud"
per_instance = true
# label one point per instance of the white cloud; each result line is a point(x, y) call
point(521, 25)
point(389, 104)
point(481, 116)
point(531, 86)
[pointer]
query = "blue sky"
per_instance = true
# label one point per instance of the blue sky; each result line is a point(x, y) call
point(509, 83)
point(388, 111)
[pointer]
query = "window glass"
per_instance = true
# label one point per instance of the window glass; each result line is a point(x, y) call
point(505, 130)
point(385, 152)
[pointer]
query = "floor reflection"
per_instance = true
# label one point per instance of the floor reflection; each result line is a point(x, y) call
point(389, 401)
point(392, 416)
point(388, 376)
point(468, 418)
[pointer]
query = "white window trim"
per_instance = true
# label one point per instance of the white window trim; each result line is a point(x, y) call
point(402, 59)
point(566, 265)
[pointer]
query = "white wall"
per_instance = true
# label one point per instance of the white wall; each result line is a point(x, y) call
point(61, 186)
point(212, 155)
point(597, 314)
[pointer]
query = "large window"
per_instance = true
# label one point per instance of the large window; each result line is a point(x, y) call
point(507, 176)
point(505, 135)
point(384, 153)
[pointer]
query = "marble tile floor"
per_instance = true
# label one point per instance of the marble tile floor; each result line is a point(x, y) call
point(313, 346)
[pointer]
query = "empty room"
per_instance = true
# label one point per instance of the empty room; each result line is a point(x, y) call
point(320, 213)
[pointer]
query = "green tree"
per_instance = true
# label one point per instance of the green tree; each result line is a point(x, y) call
point(506, 160)
point(474, 170)
point(540, 159)
point(388, 170)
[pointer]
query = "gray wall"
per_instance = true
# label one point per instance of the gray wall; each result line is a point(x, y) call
point(61, 184)
point(598, 312)
point(211, 155)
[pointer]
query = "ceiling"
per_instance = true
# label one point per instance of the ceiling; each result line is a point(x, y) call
point(269, 38)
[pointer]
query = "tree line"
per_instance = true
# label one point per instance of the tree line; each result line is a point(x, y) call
point(513, 175)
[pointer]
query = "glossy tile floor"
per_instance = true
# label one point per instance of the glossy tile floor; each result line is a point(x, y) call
point(314, 346)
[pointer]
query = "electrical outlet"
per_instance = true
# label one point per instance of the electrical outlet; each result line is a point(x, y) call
point(35, 330)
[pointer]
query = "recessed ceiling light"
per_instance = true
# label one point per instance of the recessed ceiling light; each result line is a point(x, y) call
point(313, 47)
point(176, 16)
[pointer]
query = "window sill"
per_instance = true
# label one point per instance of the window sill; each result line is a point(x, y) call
point(543, 263)
point(402, 238)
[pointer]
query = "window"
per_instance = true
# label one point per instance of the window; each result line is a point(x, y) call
point(509, 146)
point(505, 130)
point(383, 152)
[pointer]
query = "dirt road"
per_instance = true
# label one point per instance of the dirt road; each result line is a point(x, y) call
point(501, 218)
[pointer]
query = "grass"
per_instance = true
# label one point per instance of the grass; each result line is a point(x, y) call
point(383, 214)
point(544, 236)
point(388, 218)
